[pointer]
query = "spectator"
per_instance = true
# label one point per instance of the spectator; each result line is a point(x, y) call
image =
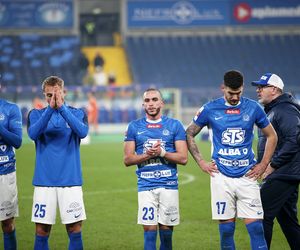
point(83, 64)
point(100, 77)
point(99, 61)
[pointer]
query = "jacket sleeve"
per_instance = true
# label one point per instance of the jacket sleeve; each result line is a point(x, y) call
point(13, 135)
point(78, 123)
point(37, 123)
point(287, 121)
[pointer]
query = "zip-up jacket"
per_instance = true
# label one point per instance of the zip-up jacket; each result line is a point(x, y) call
point(284, 114)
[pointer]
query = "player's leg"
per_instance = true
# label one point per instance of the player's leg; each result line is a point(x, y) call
point(42, 232)
point(224, 208)
point(9, 234)
point(256, 233)
point(249, 207)
point(72, 213)
point(8, 209)
point(168, 214)
point(147, 216)
point(288, 219)
point(75, 236)
point(43, 214)
point(165, 235)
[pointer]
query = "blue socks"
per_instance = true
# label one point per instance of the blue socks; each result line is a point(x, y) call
point(75, 241)
point(10, 241)
point(150, 240)
point(226, 231)
point(256, 232)
point(41, 242)
point(165, 239)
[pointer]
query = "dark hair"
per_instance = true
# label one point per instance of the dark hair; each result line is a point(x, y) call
point(52, 81)
point(154, 89)
point(233, 79)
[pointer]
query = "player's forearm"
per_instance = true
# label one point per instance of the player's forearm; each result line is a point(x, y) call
point(177, 157)
point(12, 138)
point(36, 125)
point(79, 127)
point(193, 149)
point(134, 159)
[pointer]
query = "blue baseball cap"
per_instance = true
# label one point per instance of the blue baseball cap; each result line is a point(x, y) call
point(269, 79)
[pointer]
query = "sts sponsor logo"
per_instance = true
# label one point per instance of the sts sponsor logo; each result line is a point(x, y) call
point(233, 136)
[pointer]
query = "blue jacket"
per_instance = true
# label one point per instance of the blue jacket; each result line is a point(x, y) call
point(57, 135)
point(284, 114)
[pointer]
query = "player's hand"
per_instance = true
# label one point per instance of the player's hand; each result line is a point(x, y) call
point(209, 167)
point(59, 97)
point(52, 101)
point(155, 150)
point(257, 171)
point(269, 170)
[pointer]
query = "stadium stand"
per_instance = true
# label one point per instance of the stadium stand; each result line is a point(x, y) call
point(192, 61)
point(26, 59)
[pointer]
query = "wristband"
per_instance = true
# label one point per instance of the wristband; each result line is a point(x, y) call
point(162, 152)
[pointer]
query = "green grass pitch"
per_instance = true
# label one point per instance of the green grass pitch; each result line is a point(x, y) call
point(111, 204)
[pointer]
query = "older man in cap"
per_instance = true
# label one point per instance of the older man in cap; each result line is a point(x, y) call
point(279, 191)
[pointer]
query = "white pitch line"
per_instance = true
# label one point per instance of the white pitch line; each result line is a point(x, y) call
point(188, 179)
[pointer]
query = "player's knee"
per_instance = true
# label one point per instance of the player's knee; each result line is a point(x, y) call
point(74, 227)
point(255, 228)
point(227, 229)
point(42, 229)
point(8, 225)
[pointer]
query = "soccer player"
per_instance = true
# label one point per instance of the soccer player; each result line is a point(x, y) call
point(279, 191)
point(156, 144)
point(56, 131)
point(233, 168)
point(10, 138)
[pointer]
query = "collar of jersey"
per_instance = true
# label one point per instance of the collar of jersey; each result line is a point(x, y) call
point(153, 121)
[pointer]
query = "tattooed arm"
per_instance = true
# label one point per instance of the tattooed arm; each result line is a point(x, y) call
point(191, 132)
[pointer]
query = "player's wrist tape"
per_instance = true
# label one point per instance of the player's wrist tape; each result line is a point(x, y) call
point(162, 152)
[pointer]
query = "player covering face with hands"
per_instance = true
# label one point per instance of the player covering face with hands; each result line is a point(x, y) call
point(57, 131)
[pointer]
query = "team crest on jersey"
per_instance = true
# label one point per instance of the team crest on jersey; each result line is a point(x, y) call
point(246, 118)
point(166, 132)
point(3, 148)
point(2, 117)
point(154, 125)
point(233, 111)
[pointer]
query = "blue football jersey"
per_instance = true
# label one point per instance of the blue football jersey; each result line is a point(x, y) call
point(156, 172)
point(10, 135)
point(232, 131)
point(57, 135)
